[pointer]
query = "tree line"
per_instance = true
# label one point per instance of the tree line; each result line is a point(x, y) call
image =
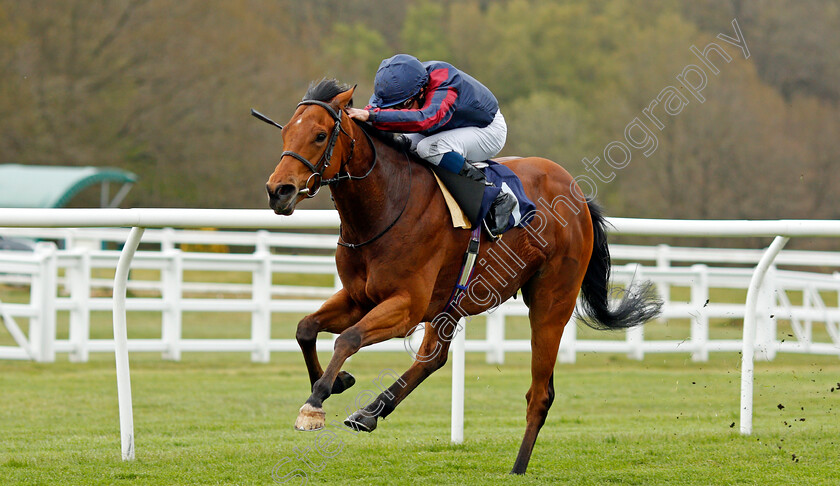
point(163, 88)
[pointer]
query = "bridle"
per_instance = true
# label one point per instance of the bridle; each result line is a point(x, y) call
point(324, 162)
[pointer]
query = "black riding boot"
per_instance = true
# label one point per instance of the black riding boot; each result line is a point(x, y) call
point(470, 172)
point(499, 214)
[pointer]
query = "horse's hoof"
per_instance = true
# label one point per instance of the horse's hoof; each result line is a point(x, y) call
point(343, 381)
point(360, 421)
point(310, 418)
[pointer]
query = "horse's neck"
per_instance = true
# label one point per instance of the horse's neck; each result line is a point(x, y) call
point(367, 205)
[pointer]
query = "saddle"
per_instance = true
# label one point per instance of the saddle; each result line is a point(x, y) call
point(470, 201)
point(459, 218)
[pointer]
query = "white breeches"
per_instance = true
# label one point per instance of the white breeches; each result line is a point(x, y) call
point(475, 144)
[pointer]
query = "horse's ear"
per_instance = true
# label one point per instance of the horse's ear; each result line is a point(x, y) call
point(345, 99)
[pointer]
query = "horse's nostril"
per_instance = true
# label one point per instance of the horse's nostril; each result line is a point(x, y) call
point(281, 191)
point(287, 190)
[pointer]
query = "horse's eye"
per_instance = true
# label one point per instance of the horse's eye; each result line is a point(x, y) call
point(321, 137)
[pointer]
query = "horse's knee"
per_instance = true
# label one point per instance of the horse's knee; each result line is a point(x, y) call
point(348, 342)
point(307, 330)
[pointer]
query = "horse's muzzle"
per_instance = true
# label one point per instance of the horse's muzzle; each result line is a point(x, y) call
point(282, 198)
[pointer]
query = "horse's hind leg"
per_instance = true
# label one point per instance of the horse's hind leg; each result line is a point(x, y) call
point(429, 358)
point(336, 314)
point(549, 312)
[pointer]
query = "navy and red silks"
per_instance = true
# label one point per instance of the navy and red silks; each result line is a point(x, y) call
point(453, 99)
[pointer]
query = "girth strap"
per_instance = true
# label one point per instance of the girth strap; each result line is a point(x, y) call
point(466, 269)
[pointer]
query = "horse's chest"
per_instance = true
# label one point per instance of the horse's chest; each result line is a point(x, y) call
point(358, 279)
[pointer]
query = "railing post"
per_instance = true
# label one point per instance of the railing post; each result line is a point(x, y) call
point(748, 350)
point(495, 337)
point(172, 281)
point(416, 338)
point(78, 278)
point(71, 238)
point(832, 326)
point(765, 337)
point(262, 245)
point(568, 343)
point(805, 336)
point(700, 323)
point(458, 358)
point(167, 239)
point(42, 297)
point(261, 315)
point(663, 262)
point(636, 335)
point(121, 344)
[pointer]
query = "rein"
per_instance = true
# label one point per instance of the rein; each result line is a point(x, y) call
point(405, 205)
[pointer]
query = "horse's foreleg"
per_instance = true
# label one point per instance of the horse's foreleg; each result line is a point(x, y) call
point(336, 314)
point(429, 358)
point(388, 319)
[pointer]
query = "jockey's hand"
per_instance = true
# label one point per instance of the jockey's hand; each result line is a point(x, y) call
point(357, 114)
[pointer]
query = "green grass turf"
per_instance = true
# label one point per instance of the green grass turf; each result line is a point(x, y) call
point(220, 419)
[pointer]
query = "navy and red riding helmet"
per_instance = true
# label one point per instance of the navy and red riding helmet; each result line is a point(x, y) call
point(398, 78)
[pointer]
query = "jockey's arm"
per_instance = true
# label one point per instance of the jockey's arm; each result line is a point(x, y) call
point(437, 111)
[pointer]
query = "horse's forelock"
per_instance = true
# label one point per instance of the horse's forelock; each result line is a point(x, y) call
point(324, 90)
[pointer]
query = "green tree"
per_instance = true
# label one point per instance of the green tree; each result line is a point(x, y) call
point(546, 125)
point(354, 53)
point(424, 31)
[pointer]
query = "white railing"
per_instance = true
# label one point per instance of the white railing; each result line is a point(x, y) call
point(41, 269)
point(140, 219)
point(74, 267)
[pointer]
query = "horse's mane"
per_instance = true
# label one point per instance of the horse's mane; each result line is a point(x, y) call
point(327, 89)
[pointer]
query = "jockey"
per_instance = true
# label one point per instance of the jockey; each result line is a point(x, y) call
point(450, 118)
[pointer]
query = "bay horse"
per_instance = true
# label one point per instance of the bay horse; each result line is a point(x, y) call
point(399, 257)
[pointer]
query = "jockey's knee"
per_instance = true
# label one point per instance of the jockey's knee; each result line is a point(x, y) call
point(428, 150)
point(434, 147)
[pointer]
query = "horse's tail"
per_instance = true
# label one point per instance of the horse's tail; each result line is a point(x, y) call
point(639, 302)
